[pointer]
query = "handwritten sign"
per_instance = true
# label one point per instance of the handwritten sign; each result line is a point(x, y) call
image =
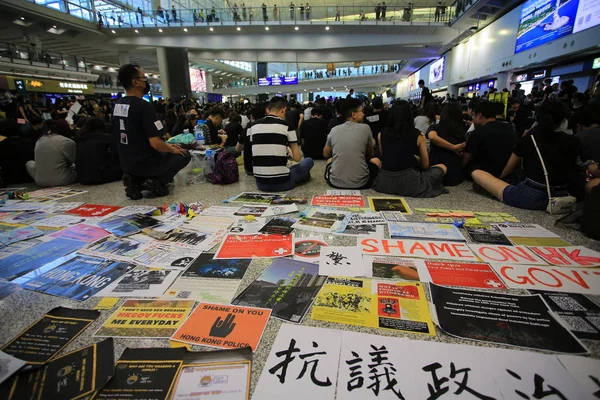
point(570, 256)
point(418, 248)
point(505, 254)
point(554, 279)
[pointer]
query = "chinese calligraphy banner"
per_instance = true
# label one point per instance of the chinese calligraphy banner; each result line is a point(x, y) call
point(341, 261)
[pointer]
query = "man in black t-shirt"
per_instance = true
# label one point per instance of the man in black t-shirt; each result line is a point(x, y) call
point(214, 120)
point(426, 96)
point(314, 134)
point(147, 161)
point(491, 143)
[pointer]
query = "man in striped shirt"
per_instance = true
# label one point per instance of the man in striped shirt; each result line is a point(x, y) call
point(270, 137)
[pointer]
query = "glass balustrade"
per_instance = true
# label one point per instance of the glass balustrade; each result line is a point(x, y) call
point(30, 55)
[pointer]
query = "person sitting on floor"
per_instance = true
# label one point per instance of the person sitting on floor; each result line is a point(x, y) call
point(97, 154)
point(270, 138)
point(402, 173)
point(15, 150)
point(559, 152)
point(54, 161)
point(448, 141)
point(256, 113)
point(491, 143)
point(314, 134)
point(233, 130)
point(351, 145)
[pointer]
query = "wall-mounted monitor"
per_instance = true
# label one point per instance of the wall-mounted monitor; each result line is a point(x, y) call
point(596, 63)
point(197, 80)
point(278, 81)
point(543, 21)
point(521, 78)
point(436, 71)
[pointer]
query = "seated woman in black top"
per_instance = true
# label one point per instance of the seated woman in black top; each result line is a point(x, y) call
point(402, 173)
point(233, 129)
point(97, 154)
point(15, 151)
point(448, 141)
point(559, 152)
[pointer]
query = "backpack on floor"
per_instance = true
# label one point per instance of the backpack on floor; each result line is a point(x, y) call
point(225, 170)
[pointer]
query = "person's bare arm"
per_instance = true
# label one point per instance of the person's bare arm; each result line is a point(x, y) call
point(513, 162)
point(159, 145)
point(295, 152)
point(444, 144)
point(423, 155)
point(379, 143)
point(22, 112)
point(327, 151)
point(466, 158)
point(300, 121)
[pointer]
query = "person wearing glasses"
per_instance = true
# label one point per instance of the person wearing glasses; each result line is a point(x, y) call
point(148, 162)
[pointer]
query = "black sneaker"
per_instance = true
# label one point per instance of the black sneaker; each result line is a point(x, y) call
point(133, 187)
point(156, 187)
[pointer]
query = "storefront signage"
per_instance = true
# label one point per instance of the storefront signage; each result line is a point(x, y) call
point(596, 63)
point(50, 86)
point(521, 78)
point(539, 74)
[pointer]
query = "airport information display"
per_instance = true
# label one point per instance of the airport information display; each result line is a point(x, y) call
point(278, 81)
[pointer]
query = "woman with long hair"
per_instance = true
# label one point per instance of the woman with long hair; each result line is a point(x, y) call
point(559, 152)
point(405, 167)
point(448, 141)
point(427, 117)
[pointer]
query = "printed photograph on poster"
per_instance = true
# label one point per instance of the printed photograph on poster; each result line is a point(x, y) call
point(81, 232)
point(288, 287)
point(423, 230)
point(60, 221)
point(133, 210)
point(8, 288)
point(160, 256)
point(46, 337)
point(323, 219)
point(76, 277)
point(280, 209)
point(253, 210)
point(341, 261)
point(26, 217)
point(71, 376)
point(371, 218)
point(521, 321)
point(260, 198)
point(223, 326)
point(279, 226)
point(489, 234)
point(22, 206)
point(128, 225)
point(248, 227)
point(397, 204)
point(449, 273)
point(417, 248)
point(188, 238)
point(284, 373)
point(251, 246)
point(398, 306)
point(147, 373)
point(17, 247)
point(146, 319)
point(570, 256)
point(360, 226)
point(552, 279)
point(308, 248)
point(395, 268)
point(140, 283)
point(209, 280)
point(576, 311)
point(338, 201)
point(93, 210)
point(491, 253)
point(531, 234)
point(19, 234)
point(115, 248)
point(393, 216)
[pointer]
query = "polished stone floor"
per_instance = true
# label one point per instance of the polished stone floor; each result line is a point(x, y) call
point(21, 309)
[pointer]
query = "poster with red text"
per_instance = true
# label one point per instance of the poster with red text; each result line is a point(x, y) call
point(569, 256)
point(93, 210)
point(259, 246)
point(447, 273)
point(417, 248)
point(338, 201)
point(550, 279)
point(491, 253)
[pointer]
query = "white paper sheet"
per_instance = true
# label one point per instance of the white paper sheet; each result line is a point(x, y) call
point(343, 192)
point(132, 210)
point(9, 365)
point(219, 211)
point(248, 227)
point(226, 381)
point(59, 221)
point(140, 283)
point(62, 207)
point(280, 210)
point(492, 253)
point(341, 261)
point(169, 222)
point(210, 223)
point(22, 206)
point(393, 215)
point(283, 377)
point(586, 372)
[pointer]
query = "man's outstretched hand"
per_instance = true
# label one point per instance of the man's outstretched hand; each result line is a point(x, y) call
point(176, 149)
point(222, 328)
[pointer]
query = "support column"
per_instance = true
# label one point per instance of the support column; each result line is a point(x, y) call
point(503, 81)
point(209, 82)
point(174, 72)
point(123, 58)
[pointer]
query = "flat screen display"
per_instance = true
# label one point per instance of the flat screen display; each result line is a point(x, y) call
point(197, 80)
point(436, 71)
point(543, 21)
point(278, 81)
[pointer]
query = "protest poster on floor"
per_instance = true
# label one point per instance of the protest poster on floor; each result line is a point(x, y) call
point(370, 225)
point(251, 246)
point(280, 209)
point(576, 311)
point(93, 210)
point(254, 210)
point(531, 235)
point(398, 306)
point(288, 287)
point(62, 207)
point(279, 226)
point(73, 375)
point(394, 268)
point(338, 201)
point(46, 337)
point(423, 230)
point(488, 234)
point(8, 288)
point(209, 280)
point(145, 373)
point(222, 373)
point(397, 204)
point(81, 232)
point(570, 256)
point(60, 221)
point(76, 277)
point(522, 321)
point(128, 225)
point(19, 234)
point(585, 371)
point(417, 248)
point(10, 365)
point(140, 283)
point(219, 211)
point(285, 374)
point(341, 261)
point(255, 198)
point(114, 248)
point(224, 326)
point(491, 253)
point(146, 319)
point(553, 279)
point(321, 219)
point(450, 273)
point(308, 248)
point(248, 226)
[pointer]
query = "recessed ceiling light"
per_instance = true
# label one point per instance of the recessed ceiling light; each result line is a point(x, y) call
point(326, 28)
point(296, 28)
point(22, 18)
point(332, 87)
point(160, 30)
point(238, 28)
point(211, 29)
point(136, 31)
point(54, 26)
point(266, 28)
point(185, 29)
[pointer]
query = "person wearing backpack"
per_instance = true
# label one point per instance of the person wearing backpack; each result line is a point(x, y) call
point(270, 137)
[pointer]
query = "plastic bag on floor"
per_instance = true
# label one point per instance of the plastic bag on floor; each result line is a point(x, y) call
point(193, 172)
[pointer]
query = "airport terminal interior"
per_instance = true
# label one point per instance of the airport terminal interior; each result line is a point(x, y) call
point(323, 199)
